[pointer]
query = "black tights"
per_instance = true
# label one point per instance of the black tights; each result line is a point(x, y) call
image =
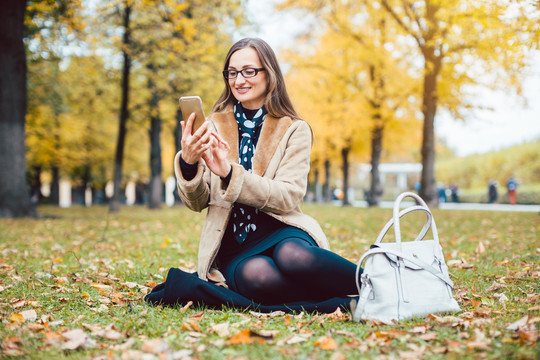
point(295, 270)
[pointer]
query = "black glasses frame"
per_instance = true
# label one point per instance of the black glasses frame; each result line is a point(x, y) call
point(226, 73)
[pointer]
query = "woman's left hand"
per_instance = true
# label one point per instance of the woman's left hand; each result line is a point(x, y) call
point(218, 162)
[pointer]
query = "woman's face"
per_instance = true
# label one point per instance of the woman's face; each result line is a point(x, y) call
point(249, 91)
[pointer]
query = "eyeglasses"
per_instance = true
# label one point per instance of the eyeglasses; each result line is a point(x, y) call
point(246, 73)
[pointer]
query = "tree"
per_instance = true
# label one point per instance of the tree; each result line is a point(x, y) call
point(114, 205)
point(358, 48)
point(484, 36)
point(14, 195)
point(369, 92)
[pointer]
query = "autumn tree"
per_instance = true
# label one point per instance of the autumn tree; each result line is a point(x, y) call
point(360, 60)
point(169, 44)
point(463, 43)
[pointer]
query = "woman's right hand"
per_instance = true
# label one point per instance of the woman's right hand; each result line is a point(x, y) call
point(193, 146)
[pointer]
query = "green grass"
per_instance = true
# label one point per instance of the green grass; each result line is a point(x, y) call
point(51, 266)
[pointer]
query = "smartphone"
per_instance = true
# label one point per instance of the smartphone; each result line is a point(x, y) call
point(192, 104)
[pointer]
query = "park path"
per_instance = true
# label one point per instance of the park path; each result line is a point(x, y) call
point(459, 206)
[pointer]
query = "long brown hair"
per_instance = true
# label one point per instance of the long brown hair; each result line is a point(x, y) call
point(277, 101)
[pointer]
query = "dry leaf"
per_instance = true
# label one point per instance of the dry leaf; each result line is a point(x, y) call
point(222, 329)
point(265, 316)
point(110, 333)
point(19, 304)
point(295, 339)
point(185, 307)
point(415, 353)
point(197, 317)
point(129, 343)
point(480, 341)
point(326, 343)
point(155, 346)
point(10, 346)
point(520, 323)
point(428, 336)
point(16, 318)
point(245, 336)
point(338, 356)
point(77, 338)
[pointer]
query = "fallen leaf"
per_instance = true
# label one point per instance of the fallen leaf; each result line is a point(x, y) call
point(155, 346)
point(245, 336)
point(428, 336)
point(338, 356)
point(110, 333)
point(10, 346)
point(75, 339)
point(197, 317)
point(295, 339)
point(416, 352)
point(480, 341)
point(326, 343)
point(222, 329)
point(16, 318)
point(19, 304)
point(185, 307)
point(519, 323)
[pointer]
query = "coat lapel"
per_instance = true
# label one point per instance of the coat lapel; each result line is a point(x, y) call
point(271, 134)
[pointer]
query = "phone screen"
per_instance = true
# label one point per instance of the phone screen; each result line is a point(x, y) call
point(192, 104)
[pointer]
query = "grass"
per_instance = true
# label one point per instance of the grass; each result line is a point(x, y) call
point(76, 270)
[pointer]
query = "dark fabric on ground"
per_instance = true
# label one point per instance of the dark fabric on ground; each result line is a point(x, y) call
point(181, 287)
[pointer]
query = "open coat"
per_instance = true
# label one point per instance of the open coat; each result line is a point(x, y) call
point(276, 186)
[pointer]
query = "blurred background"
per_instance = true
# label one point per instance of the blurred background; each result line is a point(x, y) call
point(438, 97)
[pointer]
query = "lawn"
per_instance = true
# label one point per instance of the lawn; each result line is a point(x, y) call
point(71, 286)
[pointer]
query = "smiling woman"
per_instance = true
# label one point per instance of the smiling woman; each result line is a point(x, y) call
point(248, 164)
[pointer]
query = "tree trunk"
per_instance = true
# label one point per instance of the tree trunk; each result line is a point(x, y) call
point(428, 190)
point(54, 197)
point(156, 185)
point(327, 189)
point(375, 190)
point(317, 188)
point(345, 158)
point(34, 178)
point(14, 193)
point(124, 114)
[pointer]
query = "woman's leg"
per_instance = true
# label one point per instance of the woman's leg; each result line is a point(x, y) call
point(259, 279)
point(328, 273)
point(296, 271)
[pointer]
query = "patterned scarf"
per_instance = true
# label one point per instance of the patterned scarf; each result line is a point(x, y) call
point(244, 216)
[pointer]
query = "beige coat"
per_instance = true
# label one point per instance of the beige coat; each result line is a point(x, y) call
point(277, 185)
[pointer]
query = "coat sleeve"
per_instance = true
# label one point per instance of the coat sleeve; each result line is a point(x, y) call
point(286, 189)
point(195, 193)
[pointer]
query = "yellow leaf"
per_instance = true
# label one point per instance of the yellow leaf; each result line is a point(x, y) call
point(16, 318)
point(326, 343)
point(245, 336)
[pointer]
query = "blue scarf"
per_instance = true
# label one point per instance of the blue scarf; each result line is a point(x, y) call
point(244, 217)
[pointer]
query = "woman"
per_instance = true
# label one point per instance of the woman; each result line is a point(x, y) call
point(248, 164)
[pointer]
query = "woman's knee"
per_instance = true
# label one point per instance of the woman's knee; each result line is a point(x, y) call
point(256, 273)
point(294, 255)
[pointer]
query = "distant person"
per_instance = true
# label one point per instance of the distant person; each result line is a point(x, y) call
point(417, 186)
point(441, 192)
point(454, 191)
point(492, 191)
point(512, 185)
